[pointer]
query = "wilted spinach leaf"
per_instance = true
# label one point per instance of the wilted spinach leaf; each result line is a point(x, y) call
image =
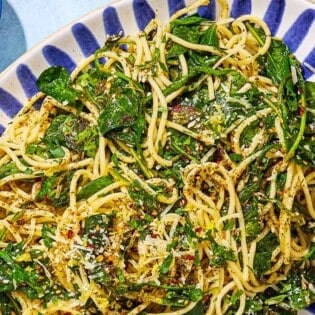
point(251, 217)
point(164, 268)
point(199, 309)
point(186, 28)
point(278, 62)
point(8, 169)
point(72, 132)
point(187, 20)
point(56, 82)
point(221, 255)
point(209, 37)
point(121, 111)
point(96, 228)
point(141, 197)
point(49, 189)
point(9, 305)
point(310, 94)
point(52, 152)
point(13, 274)
point(97, 220)
point(176, 296)
point(94, 186)
point(264, 249)
point(48, 232)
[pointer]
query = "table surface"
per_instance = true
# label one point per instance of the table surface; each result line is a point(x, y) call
point(24, 23)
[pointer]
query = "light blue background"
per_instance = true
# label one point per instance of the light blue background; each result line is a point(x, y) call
point(24, 23)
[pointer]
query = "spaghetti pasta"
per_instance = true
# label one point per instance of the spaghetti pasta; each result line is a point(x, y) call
point(171, 173)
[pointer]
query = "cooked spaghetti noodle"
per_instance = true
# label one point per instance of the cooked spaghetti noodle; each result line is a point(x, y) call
point(172, 173)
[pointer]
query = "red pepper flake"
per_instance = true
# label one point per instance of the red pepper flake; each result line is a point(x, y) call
point(21, 221)
point(174, 281)
point(198, 229)
point(182, 108)
point(70, 234)
point(206, 298)
point(177, 108)
point(189, 257)
point(47, 199)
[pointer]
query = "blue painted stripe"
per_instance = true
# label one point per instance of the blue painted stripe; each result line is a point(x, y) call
point(274, 15)
point(27, 80)
point(299, 29)
point(208, 11)
point(143, 13)
point(57, 57)
point(310, 59)
point(111, 22)
point(9, 104)
point(241, 7)
point(175, 5)
point(311, 308)
point(2, 129)
point(85, 39)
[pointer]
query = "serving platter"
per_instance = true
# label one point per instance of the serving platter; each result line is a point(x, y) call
point(291, 20)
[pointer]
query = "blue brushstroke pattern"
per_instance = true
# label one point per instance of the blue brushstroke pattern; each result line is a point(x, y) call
point(274, 15)
point(310, 59)
point(2, 129)
point(27, 80)
point(111, 22)
point(241, 7)
point(311, 309)
point(57, 57)
point(299, 29)
point(208, 11)
point(85, 39)
point(143, 13)
point(9, 104)
point(175, 5)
